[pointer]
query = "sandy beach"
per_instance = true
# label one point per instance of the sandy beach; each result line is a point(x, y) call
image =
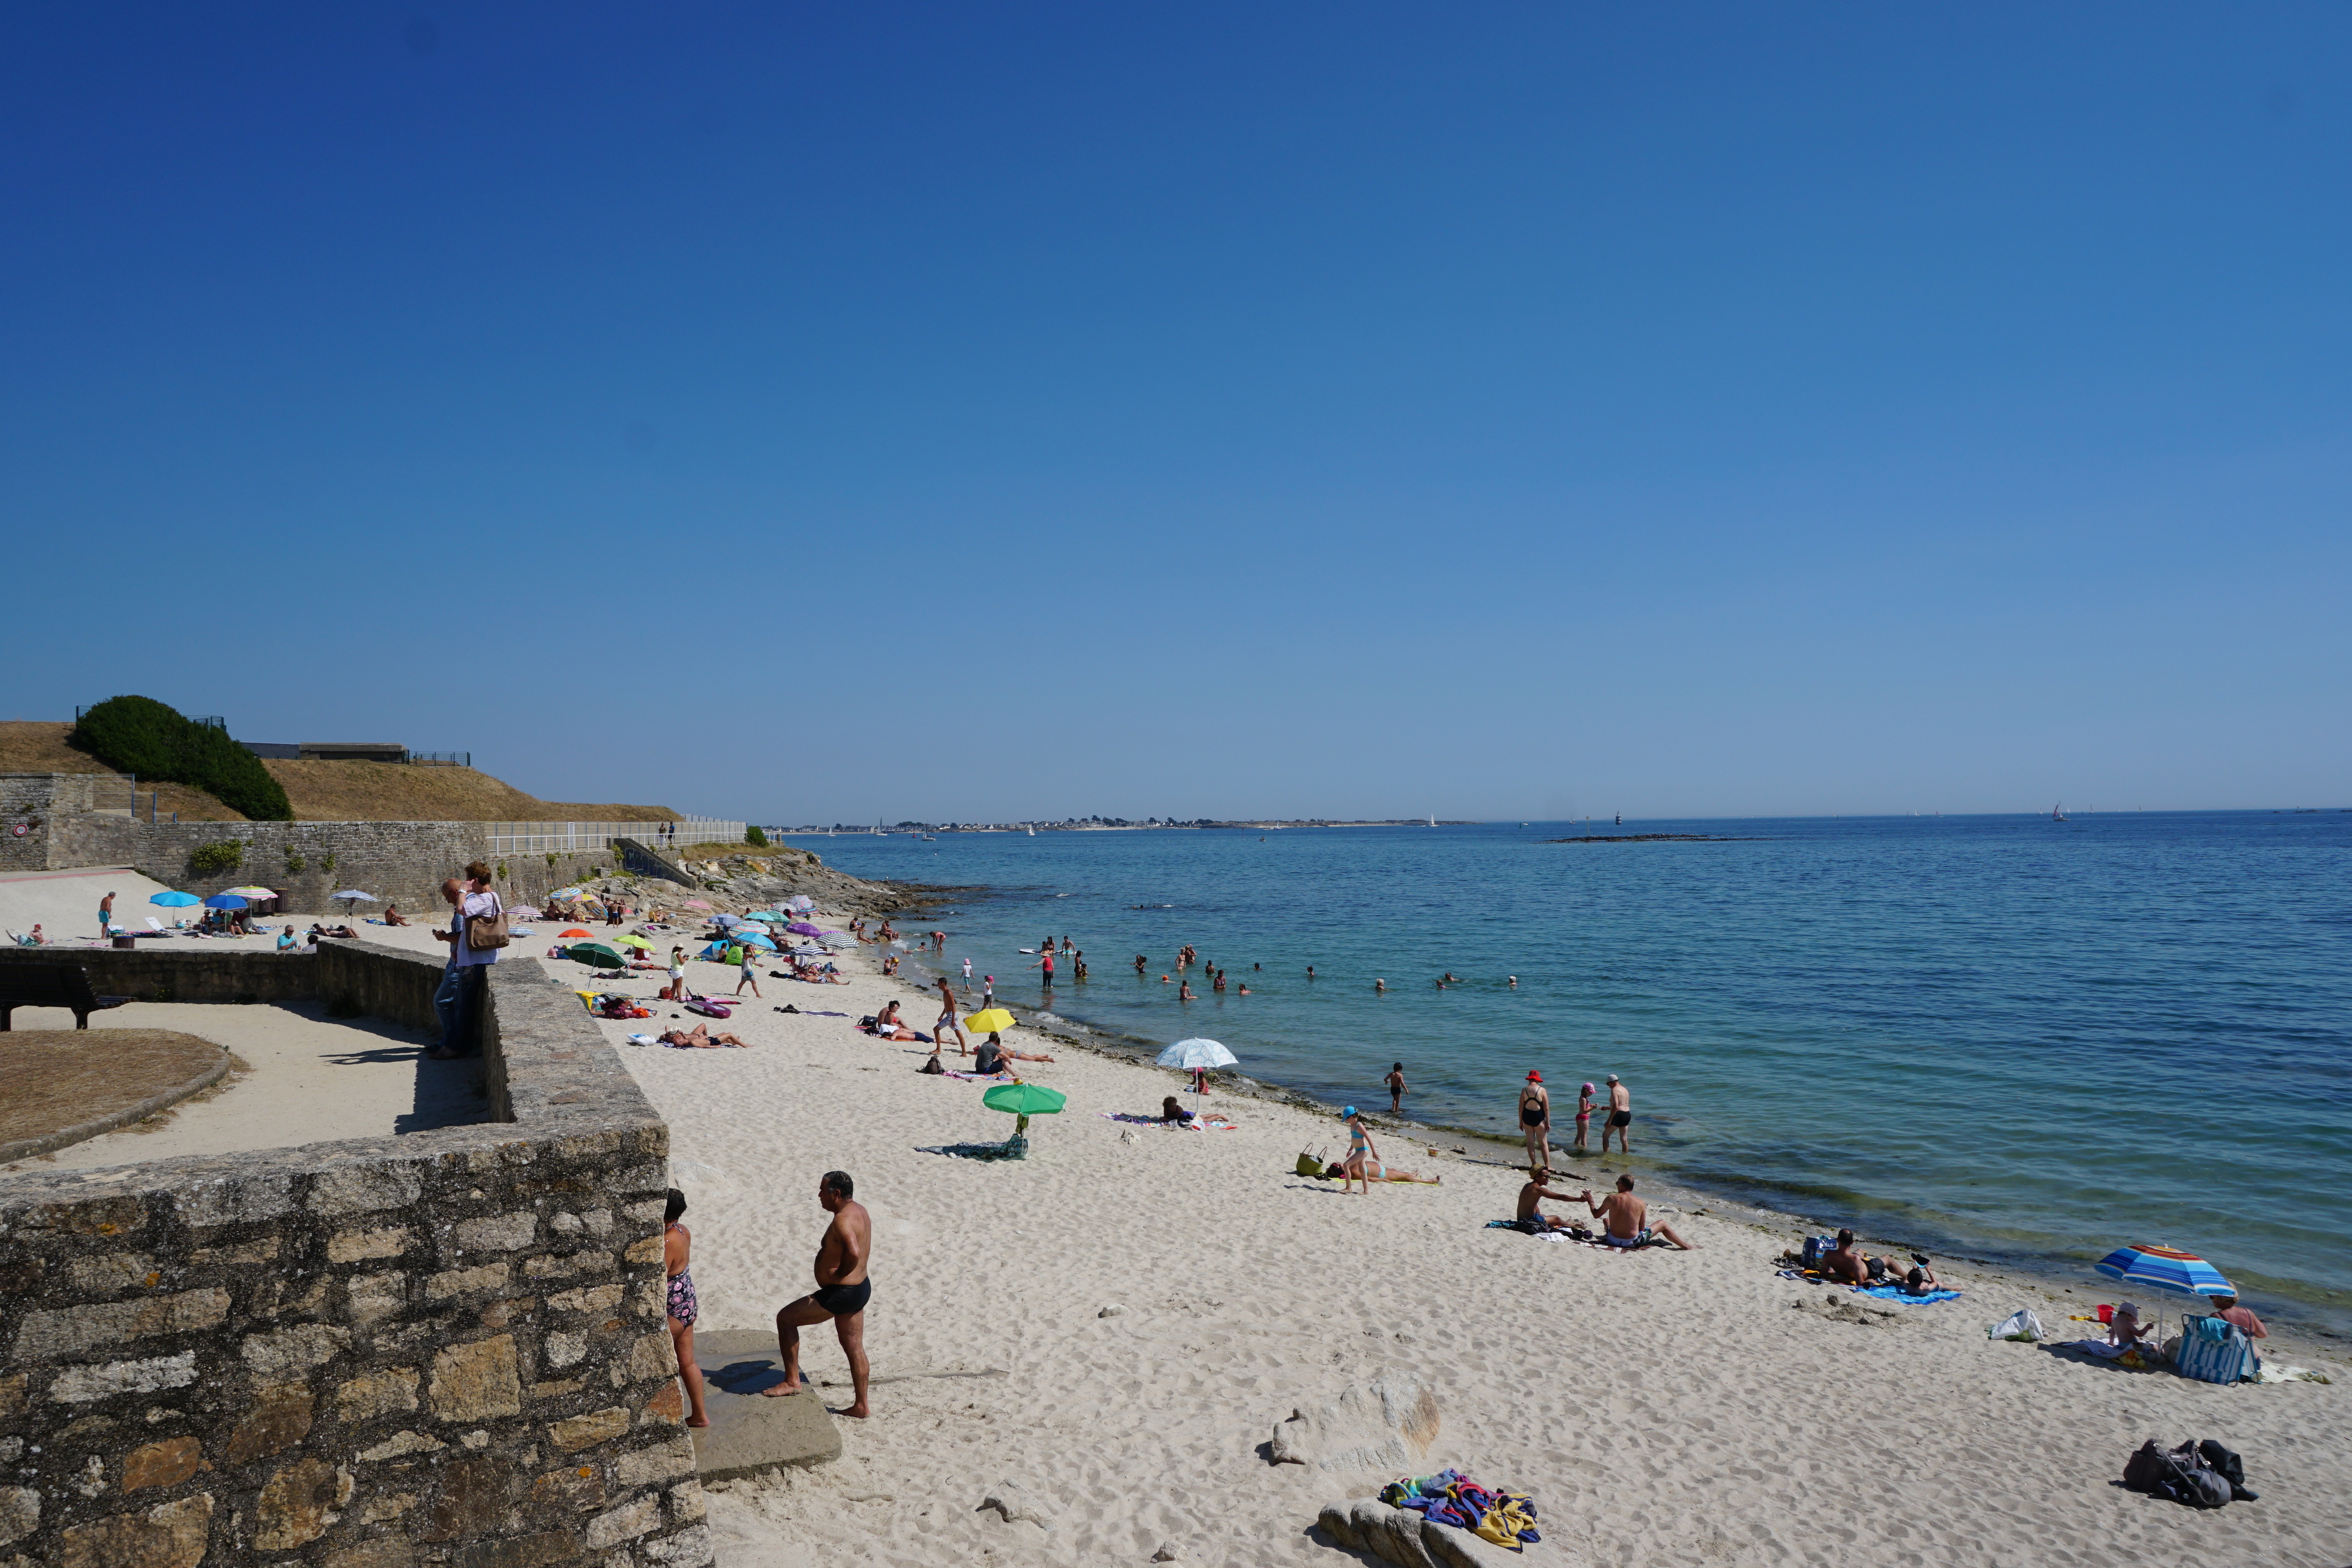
point(1663, 1407)
point(1118, 1322)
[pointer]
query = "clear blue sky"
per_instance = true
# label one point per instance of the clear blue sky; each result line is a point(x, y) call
point(820, 413)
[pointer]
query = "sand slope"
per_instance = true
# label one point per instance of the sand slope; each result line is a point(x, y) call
point(1665, 1408)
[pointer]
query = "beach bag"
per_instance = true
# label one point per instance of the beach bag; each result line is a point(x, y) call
point(709, 1009)
point(2229, 1466)
point(932, 1065)
point(2020, 1324)
point(2213, 1350)
point(484, 932)
point(2177, 1475)
point(1310, 1163)
point(1818, 1248)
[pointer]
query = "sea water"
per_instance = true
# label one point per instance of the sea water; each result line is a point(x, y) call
point(2005, 1036)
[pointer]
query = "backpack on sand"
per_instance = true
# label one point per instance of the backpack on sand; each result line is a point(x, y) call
point(2177, 1475)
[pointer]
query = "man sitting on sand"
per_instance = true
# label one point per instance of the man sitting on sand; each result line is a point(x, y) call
point(1625, 1219)
point(1844, 1265)
point(1530, 1219)
point(393, 916)
point(841, 1294)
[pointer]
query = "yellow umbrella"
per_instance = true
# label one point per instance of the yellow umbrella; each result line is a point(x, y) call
point(988, 1020)
point(631, 940)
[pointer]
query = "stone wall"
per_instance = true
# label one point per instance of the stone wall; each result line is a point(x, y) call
point(442, 1348)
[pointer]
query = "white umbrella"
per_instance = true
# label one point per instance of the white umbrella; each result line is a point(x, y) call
point(1189, 1054)
point(351, 897)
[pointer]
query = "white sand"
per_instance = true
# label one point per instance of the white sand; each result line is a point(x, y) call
point(1665, 1408)
point(65, 903)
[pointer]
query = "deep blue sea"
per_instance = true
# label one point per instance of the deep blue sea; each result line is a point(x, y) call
point(2002, 1036)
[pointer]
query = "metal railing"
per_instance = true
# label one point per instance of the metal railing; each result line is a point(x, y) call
point(585, 838)
point(441, 759)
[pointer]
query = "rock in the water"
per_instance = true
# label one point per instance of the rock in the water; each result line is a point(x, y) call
point(1016, 1501)
point(1382, 1427)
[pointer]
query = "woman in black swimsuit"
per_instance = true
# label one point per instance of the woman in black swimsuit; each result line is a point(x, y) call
point(1535, 1122)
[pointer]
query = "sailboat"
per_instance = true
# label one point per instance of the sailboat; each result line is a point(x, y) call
point(1433, 819)
point(1033, 832)
point(2058, 813)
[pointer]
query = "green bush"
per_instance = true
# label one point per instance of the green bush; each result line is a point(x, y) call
point(141, 736)
point(294, 864)
point(752, 835)
point(211, 860)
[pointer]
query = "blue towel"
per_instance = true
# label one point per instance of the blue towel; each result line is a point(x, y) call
point(1897, 1293)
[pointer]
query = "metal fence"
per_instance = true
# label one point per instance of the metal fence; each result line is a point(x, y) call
point(581, 838)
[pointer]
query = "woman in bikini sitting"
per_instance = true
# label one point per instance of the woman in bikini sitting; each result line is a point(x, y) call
point(677, 1245)
point(890, 1026)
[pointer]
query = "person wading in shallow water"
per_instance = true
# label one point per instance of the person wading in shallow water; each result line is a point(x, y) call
point(1534, 1121)
point(841, 1294)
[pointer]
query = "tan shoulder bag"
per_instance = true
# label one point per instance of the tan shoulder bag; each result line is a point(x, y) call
point(484, 932)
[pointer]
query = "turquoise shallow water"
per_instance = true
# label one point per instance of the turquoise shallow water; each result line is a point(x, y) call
point(1998, 1035)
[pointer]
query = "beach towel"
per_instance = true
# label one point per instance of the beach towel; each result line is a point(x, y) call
point(1897, 1293)
point(1015, 1147)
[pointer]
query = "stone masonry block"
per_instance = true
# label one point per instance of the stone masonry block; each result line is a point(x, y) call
point(646, 1466)
point(169, 1535)
point(298, 1504)
point(48, 1334)
point(378, 1393)
point(111, 1272)
point(645, 1251)
point(624, 1523)
point(288, 1353)
point(587, 1298)
point(80, 1384)
point(587, 1431)
point(468, 1281)
point(365, 1189)
point(20, 1513)
point(355, 1246)
point(476, 1382)
point(372, 1298)
point(89, 1216)
point(687, 1502)
point(385, 1552)
point(279, 1418)
point(651, 1357)
point(235, 1201)
point(686, 1549)
point(164, 1463)
point(499, 1232)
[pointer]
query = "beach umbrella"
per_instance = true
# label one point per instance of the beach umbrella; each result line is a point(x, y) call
point(988, 1020)
point(802, 928)
point(755, 939)
point(592, 953)
point(632, 940)
point(174, 900)
point(727, 920)
point(352, 898)
point(575, 931)
point(801, 902)
point(766, 915)
point(2164, 1269)
point(1189, 1054)
point(253, 892)
point(565, 892)
point(224, 901)
point(696, 904)
point(1025, 1099)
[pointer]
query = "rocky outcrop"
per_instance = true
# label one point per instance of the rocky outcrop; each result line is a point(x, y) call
point(762, 878)
point(1401, 1536)
point(1382, 1427)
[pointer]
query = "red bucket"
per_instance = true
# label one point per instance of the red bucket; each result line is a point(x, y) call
point(2106, 1313)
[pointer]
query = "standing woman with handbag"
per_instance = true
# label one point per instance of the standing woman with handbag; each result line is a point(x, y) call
point(481, 932)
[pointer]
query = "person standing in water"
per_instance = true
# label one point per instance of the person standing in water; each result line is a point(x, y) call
point(841, 1294)
point(1583, 1117)
point(1621, 1117)
point(1535, 1122)
point(1395, 1082)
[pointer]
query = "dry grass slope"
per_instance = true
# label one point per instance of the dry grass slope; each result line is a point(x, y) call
point(333, 792)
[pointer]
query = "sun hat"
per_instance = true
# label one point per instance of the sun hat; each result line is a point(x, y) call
point(1347, 1109)
point(1533, 1077)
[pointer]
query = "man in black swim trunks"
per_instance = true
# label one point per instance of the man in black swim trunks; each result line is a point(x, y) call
point(842, 1289)
point(1621, 1117)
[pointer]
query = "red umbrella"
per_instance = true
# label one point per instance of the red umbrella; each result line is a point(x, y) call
point(575, 931)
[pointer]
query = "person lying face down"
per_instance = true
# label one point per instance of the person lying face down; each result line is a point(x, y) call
point(1916, 1280)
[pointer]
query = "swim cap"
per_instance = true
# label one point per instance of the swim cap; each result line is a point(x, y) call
point(1347, 1109)
point(1535, 1077)
point(1588, 1088)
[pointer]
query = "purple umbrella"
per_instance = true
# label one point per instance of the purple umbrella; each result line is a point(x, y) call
point(802, 928)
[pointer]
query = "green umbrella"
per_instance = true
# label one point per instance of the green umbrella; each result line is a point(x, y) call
point(594, 952)
point(1025, 1100)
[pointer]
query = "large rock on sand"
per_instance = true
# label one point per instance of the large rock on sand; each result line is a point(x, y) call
point(1381, 1427)
point(1401, 1536)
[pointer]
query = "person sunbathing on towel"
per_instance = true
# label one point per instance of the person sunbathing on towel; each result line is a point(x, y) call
point(1626, 1216)
point(1844, 1265)
point(1171, 1112)
point(1916, 1277)
point(700, 1038)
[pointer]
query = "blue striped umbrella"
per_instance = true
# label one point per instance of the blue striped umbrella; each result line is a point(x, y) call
point(2164, 1269)
point(224, 901)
